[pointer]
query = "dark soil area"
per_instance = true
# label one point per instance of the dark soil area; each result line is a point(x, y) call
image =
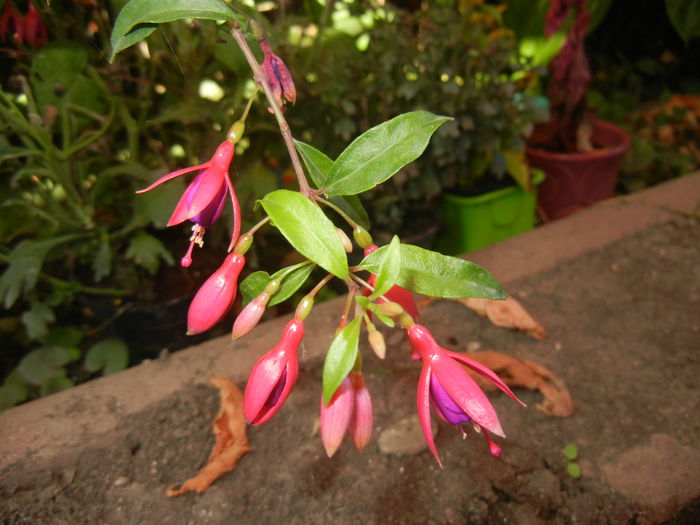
point(624, 332)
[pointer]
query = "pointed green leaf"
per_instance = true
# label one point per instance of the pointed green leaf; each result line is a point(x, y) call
point(380, 152)
point(41, 364)
point(139, 18)
point(307, 229)
point(389, 268)
point(340, 358)
point(685, 17)
point(318, 165)
point(255, 283)
point(111, 355)
point(431, 273)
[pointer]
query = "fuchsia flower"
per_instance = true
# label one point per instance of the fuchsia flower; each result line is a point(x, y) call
point(203, 200)
point(215, 297)
point(11, 22)
point(277, 75)
point(453, 393)
point(395, 294)
point(349, 411)
point(35, 30)
point(273, 376)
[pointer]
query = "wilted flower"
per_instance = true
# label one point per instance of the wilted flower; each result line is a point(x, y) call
point(34, 29)
point(11, 23)
point(203, 200)
point(273, 376)
point(453, 393)
point(277, 75)
point(215, 297)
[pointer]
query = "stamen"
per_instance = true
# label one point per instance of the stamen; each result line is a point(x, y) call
point(493, 448)
point(197, 238)
point(464, 432)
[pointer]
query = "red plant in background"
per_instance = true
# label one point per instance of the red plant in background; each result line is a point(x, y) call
point(11, 23)
point(570, 128)
point(34, 29)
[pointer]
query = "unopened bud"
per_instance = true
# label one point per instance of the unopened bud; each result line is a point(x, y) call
point(406, 321)
point(347, 244)
point(376, 341)
point(362, 237)
point(304, 308)
point(271, 288)
point(250, 316)
point(390, 309)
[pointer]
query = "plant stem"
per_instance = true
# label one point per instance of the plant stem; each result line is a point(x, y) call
point(304, 187)
point(340, 212)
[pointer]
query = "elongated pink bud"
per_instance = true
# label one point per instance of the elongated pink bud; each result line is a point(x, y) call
point(215, 297)
point(335, 417)
point(360, 427)
point(250, 316)
point(273, 376)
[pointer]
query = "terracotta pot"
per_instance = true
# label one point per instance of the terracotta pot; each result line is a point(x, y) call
point(577, 180)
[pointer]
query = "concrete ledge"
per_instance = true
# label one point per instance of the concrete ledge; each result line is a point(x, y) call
point(35, 433)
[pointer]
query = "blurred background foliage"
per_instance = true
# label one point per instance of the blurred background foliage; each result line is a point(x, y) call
point(89, 284)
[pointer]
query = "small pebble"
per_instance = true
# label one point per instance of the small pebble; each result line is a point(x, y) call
point(404, 437)
point(121, 481)
point(473, 346)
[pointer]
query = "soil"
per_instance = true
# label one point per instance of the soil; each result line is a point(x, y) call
point(623, 331)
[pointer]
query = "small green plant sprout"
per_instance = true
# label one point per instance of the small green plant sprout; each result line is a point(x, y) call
point(570, 452)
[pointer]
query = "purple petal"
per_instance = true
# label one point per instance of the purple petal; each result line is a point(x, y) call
point(445, 405)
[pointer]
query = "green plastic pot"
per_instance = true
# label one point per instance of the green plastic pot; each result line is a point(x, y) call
point(470, 223)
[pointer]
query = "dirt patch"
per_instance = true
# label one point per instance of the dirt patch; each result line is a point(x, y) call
point(624, 335)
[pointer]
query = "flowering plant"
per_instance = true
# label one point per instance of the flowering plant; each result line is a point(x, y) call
point(301, 218)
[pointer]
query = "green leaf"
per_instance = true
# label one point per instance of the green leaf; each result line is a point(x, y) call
point(318, 166)
point(8, 152)
point(139, 18)
point(307, 229)
point(12, 394)
point(64, 336)
point(56, 383)
point(24, 265)
point(570, 451)
point(102, 263)
point(574, 470)
point(340, 358)
point(431, 273)
point(255, 283)
point(380, 152)
point(109, 355)
point(40, 365)
point(147, 251)
point(685, 17)
point(36, 320)
point(389, 268)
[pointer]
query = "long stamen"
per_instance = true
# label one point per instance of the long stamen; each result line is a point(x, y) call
point(197, 238)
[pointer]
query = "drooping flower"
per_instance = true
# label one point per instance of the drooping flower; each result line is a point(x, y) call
point(349, 411)
point(203, 200)
point(11, 23)
point(453, 393)
point(277, 75)
point(34, 29)
point(273, 376)
point(396, 293)
point(215, 297)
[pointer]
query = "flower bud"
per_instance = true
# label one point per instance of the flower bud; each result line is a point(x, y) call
point(250, 316)
point(335, 417)
point(304, 307)
point(215, 297)
point(391, 309)
point(347, 244)
point(376, 341)
point(363, 238)
point(360, 427)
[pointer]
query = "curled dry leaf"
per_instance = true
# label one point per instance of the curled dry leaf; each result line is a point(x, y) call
point(231, 439)
point(519, 372)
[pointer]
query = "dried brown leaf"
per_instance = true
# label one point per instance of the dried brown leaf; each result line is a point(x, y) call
point(231, 439)
point(508, 313)
point(522, 373)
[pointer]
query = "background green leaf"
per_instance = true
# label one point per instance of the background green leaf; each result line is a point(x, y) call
point(340, 358)
point(431, 273)
point(381, 151)
point(307, 229)
point(148, 13)
point(110, 355)
point(685, 17)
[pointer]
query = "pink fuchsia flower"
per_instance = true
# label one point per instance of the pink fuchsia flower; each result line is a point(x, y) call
point(11, 23)
point(34, 29)
point(215, 297)
point(277, 75)
point(273, 376)
point(396, 293)
point(203, 200)
point(453, 393)
point(349, 411)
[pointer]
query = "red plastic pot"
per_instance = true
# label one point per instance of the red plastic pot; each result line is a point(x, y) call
point(577, 180)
